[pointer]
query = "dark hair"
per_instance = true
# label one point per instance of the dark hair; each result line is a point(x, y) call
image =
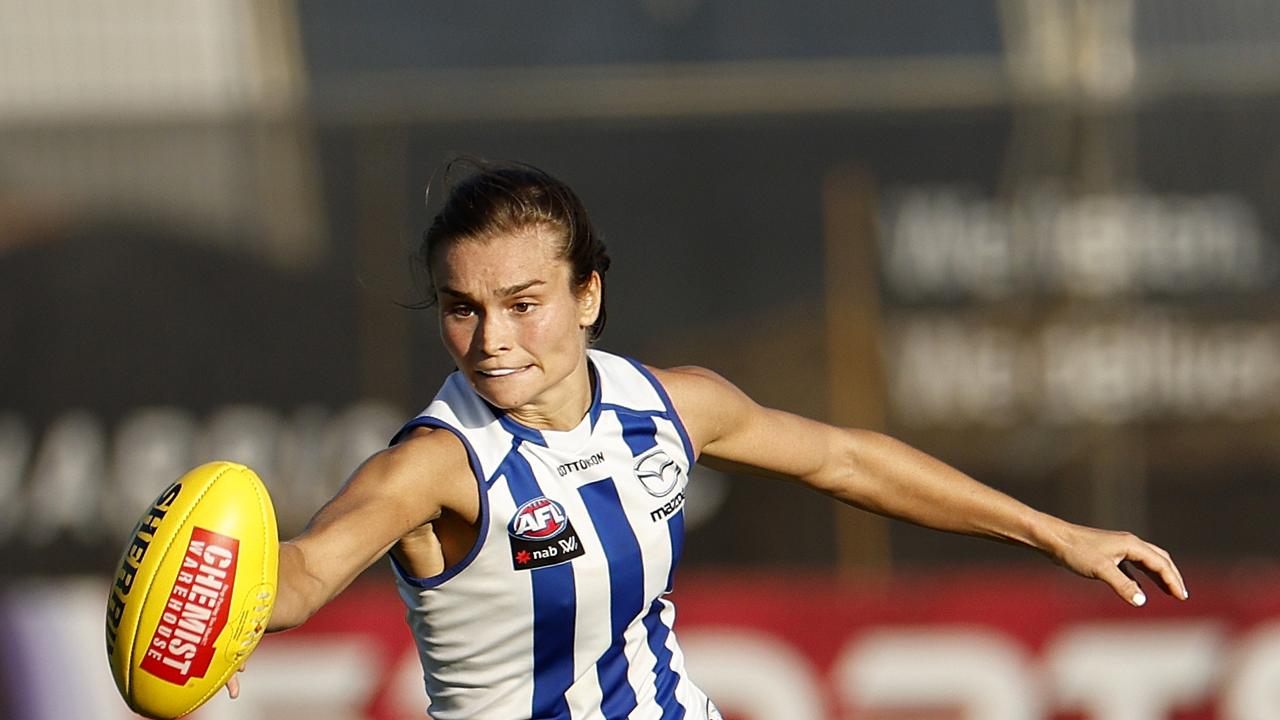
point(505, 198)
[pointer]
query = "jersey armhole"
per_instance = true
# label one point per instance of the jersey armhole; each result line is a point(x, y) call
point(478, 473)
point(670, 413)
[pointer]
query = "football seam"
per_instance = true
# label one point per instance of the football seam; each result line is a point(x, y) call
point(262, 509)
point(147, 589)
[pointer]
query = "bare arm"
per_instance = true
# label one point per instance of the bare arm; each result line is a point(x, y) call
point(872, 471)
point(393, 492)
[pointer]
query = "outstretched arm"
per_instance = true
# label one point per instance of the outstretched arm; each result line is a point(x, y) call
point(392, 493)
point(872, 471)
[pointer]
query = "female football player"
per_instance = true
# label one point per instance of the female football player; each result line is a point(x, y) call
point(533, 511)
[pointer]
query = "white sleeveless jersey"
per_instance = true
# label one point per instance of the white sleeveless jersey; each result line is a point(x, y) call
point(558, 611)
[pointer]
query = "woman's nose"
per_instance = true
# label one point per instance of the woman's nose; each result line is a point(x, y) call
point(494, 334)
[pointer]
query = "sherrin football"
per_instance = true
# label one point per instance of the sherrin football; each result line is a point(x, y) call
point(194, 590)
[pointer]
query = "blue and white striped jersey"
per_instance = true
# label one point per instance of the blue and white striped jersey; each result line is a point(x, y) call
point(558, 610)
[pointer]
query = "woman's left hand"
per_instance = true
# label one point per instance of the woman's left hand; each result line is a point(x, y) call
point(1103, 554)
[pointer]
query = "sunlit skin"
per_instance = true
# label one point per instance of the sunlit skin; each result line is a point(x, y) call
point(515, 326)
point(517, 329)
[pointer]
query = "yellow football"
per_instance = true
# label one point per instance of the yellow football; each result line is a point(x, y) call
point(194, 590)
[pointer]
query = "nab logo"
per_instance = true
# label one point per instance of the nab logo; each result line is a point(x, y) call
point(541, 535)
point(538, 519)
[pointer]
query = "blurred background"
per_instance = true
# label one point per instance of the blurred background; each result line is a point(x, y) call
point(1036, 238)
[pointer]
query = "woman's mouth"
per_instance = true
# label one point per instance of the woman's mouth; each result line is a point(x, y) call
point(501, 372)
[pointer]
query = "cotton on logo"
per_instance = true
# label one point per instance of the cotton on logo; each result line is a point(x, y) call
point(538, 519)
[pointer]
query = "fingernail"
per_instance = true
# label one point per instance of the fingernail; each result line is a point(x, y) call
point(1139, 599)
point(1185, 593)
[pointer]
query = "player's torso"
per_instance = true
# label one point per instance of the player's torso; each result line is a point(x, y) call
point(559, 610)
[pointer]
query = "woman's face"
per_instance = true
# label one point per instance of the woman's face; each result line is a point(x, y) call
point(514, 325)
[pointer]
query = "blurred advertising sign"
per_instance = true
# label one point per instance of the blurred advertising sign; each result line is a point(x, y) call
point(946, 242)
point(980, 645)
point(83, 480)
point(1068, 309)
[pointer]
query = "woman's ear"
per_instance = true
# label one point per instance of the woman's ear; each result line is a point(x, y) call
point(589, 295)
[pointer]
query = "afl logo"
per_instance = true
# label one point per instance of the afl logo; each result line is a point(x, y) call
point(658, 472)
point(539, 519)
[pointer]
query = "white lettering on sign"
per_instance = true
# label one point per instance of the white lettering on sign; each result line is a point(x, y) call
point(87, 481)
point(1144, 670)
point(1156, 365)
point(1113, 671)
point(1134, 671)
point(983, 674)
point(954, 372)
point(753, 675)
point(1252, 689)
point(66, 481)
point(948, 371)
point(945, 243)
point(81, 479)
point(316, 678)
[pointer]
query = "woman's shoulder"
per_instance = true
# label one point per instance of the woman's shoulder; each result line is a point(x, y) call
point(682, 383)
point(706, 402)
point(691, 380)
point(428, 444)
point(428, 455)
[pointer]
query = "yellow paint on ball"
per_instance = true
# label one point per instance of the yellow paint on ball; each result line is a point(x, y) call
point(193, 591)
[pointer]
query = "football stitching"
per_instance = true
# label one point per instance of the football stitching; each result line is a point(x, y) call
point(147, 590)
point(262, 508)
